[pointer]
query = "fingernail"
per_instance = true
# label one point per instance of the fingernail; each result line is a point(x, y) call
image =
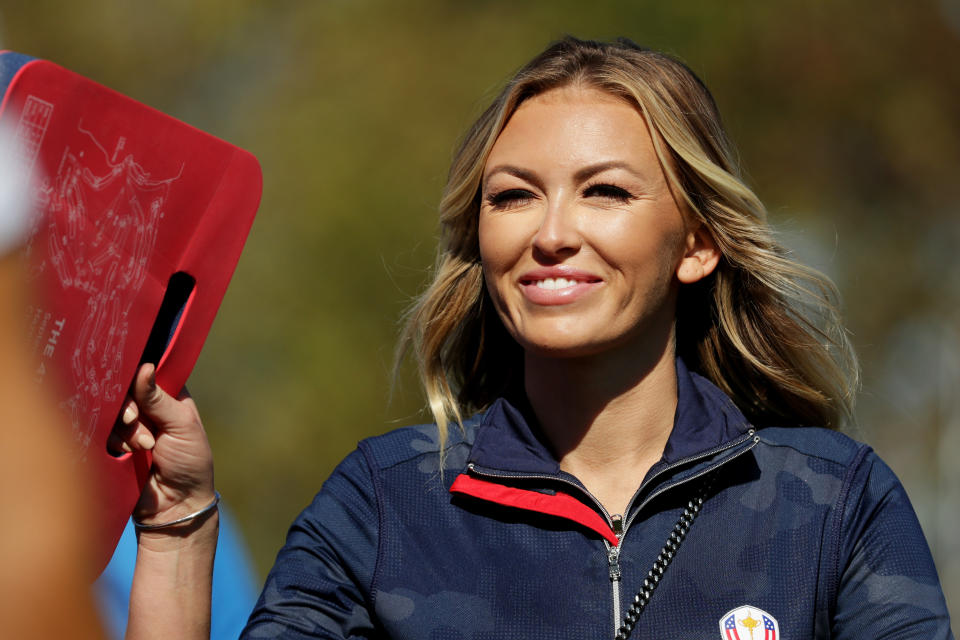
point(129, 415)
point(126, 447)
point(146, 441)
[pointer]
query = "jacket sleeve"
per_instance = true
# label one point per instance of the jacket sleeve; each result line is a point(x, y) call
point(320, 584)
point(888, 584)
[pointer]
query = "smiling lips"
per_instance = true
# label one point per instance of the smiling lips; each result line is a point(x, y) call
point(552, 286)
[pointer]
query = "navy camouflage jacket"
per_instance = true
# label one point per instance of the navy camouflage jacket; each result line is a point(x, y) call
point(803, 534)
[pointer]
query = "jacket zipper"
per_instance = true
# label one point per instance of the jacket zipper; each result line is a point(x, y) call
point(625, 525)
point(616, 521)
point(613, 561)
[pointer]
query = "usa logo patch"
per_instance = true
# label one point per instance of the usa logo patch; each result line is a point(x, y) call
point(749, 623)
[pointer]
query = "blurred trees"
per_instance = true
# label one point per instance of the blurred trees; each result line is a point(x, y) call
point(846, 115)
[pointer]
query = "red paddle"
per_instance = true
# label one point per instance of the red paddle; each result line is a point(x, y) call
point(144, 219)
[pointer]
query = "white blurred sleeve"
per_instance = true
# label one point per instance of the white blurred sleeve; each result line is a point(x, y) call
point(15, 200)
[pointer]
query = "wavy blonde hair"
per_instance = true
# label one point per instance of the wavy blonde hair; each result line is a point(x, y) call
point(762, 327)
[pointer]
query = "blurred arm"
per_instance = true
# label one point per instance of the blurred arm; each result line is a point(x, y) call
point(45, 551)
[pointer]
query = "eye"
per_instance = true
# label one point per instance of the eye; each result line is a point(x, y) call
point(509, 198)
point(607, 191)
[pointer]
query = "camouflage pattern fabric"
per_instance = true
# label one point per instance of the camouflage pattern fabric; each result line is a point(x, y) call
point(806, 534)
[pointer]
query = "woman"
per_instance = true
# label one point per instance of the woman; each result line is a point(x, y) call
point(648, 378)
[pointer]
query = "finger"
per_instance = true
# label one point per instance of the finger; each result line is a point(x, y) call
point(117, 444)
point(130, 412)
point(131, 437)
point(142, 438)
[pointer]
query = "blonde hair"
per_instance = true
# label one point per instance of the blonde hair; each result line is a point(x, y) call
point(762, 327)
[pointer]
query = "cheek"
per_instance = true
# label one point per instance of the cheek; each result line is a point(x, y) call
point(645, 254)
point(484, 241)
point(492, 257)
point(498, 250)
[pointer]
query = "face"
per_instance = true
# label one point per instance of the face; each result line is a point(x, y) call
point(582, 241)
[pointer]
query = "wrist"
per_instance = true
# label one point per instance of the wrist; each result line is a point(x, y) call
point(191, 521)
point(157, 523)
point(159, 503)
point(198, 535)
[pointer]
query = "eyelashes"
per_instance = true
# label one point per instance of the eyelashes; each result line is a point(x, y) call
point(608, 191)
point(514, 197)
point(509, 198)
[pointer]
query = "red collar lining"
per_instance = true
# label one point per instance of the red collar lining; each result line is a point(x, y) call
point(559, 504)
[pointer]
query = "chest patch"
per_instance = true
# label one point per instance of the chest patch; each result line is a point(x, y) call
point(749, 623)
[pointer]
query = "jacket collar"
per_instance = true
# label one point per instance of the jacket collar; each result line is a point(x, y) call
point(509, 441)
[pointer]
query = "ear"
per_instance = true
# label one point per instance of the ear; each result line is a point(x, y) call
point(700, 257)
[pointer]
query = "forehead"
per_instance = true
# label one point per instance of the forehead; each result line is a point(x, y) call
point(570, 127)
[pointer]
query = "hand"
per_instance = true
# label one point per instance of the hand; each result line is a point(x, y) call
point(181, 479)
point(170, 596)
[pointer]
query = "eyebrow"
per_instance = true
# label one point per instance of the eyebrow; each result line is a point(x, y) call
point(588, 172)
point(581, 175)
point(519, 172)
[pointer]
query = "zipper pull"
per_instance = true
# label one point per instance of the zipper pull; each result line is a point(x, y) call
point(613, 559)
point(613, 553)
point(617, 521)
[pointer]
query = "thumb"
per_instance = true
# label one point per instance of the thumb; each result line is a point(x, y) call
point(156, 404)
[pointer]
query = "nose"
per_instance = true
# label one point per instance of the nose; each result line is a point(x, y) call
point(558, 235)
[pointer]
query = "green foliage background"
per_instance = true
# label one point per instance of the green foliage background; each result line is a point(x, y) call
point(846, 115)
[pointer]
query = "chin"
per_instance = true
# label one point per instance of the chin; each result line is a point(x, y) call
point(643, 342)
point(559, 348)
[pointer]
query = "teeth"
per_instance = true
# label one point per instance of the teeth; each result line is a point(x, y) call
point(555, 283)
